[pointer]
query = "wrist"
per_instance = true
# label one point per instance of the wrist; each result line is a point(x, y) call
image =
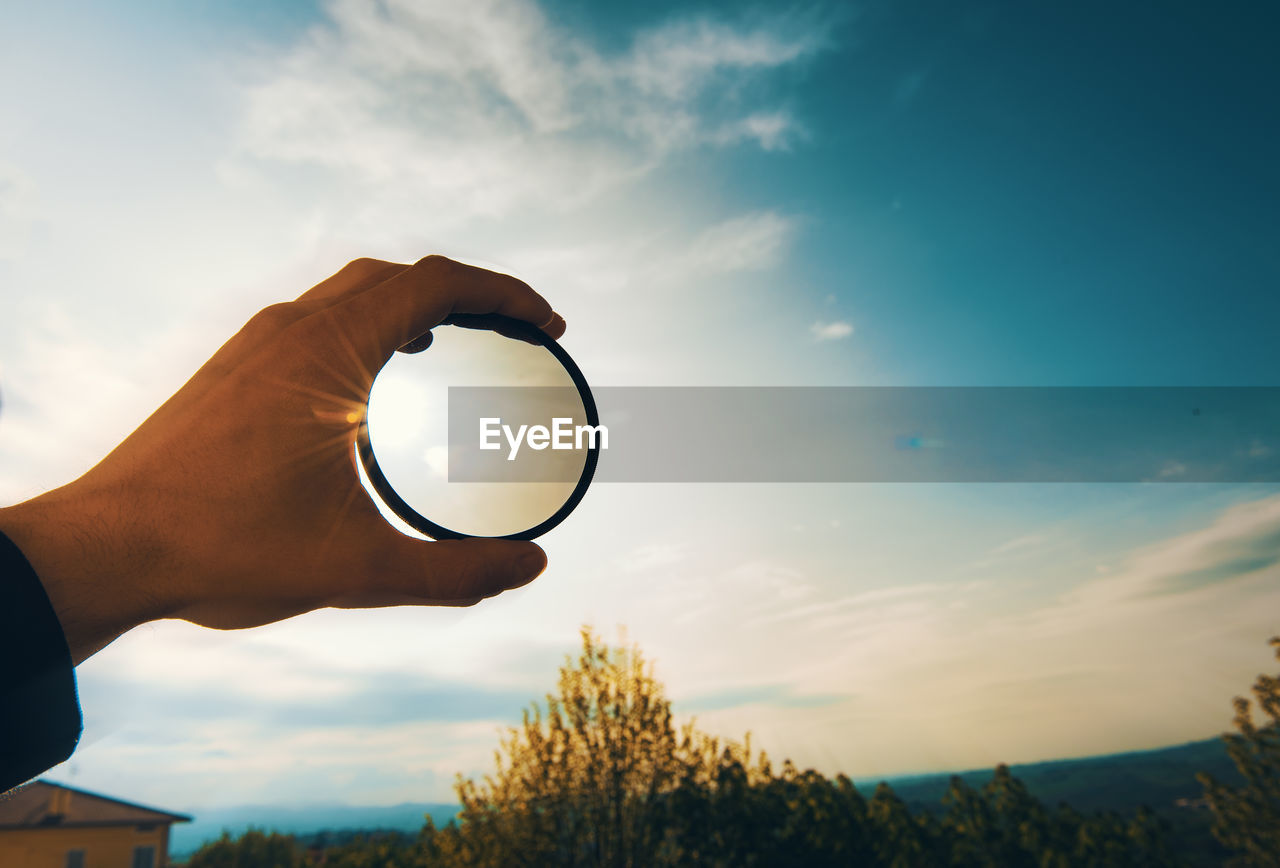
point(93, 566)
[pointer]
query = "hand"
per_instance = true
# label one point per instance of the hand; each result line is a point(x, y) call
point(237, 503)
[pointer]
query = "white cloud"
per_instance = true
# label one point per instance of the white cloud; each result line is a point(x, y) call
point(1148, 653)
point(676, 60)
point(69, 396)
point(750, 242)
point(830, 331)
point(756, 241)
point(1243, 541)
point(1258, 449)
point(1022, 542)
point(458, 110)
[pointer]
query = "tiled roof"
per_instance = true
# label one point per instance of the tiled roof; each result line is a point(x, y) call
point(44, 803)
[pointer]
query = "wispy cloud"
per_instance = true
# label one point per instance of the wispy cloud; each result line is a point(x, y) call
point(750, 242)
point(777, 695)
point(1152, 650)
point(831, 331)
point(1258, 449)
point(1242, 542)
point(463, 110)
point(60, 382)
point(356, 698)
point(878, 601)
point(756, 241)
point(1026, 541)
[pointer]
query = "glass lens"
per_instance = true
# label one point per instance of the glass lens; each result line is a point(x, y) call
point(480, 434)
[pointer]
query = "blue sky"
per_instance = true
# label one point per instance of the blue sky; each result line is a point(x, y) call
point(882, 194)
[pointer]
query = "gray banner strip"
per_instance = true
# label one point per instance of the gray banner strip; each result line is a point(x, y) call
point(883, 434)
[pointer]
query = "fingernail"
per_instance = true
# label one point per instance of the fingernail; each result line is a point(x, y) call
point(418, 344)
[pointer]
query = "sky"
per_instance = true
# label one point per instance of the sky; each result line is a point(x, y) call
point(887, 193)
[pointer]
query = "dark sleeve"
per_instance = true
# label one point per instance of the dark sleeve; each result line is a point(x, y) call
point(39, 711)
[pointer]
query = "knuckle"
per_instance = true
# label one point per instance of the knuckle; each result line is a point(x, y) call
point(437, 263)
point(364, 268)
point(275, 317)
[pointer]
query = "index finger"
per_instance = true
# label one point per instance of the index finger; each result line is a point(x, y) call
point(423, 295)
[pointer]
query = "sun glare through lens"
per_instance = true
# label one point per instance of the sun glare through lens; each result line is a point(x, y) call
point(488, 470)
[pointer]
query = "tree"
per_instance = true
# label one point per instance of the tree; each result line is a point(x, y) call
point(900, 840)
point(969, 825)
point(1247, 817)
point(602, 776)
point(254, 849)
point(375, 851)
point(1022, 825)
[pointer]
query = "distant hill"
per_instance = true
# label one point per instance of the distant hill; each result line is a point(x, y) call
point(1120, 782)
point(303, 820)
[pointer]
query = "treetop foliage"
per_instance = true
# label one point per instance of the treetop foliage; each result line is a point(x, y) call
point(1247, 817)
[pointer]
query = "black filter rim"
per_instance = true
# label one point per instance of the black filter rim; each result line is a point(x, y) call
point(511, 328)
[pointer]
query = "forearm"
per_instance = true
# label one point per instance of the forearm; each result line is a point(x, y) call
point(88, 562)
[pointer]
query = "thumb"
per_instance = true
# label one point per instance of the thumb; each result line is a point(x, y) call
point(408, 571)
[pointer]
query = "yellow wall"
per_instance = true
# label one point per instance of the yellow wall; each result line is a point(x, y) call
point(104, 846)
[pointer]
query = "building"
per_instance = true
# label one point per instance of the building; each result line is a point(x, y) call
point(48, 825)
